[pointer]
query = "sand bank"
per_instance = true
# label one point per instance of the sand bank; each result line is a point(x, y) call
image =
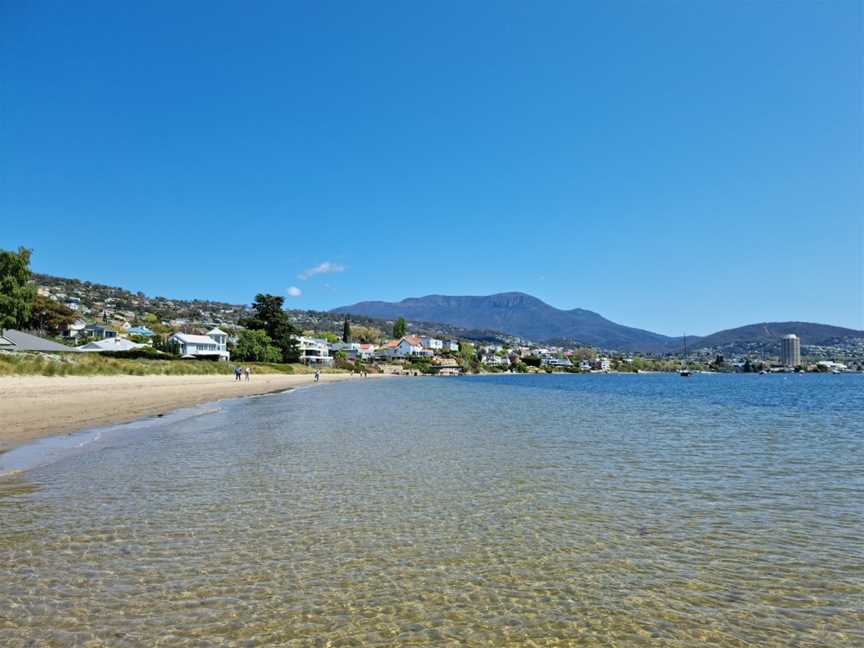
point(39, 406)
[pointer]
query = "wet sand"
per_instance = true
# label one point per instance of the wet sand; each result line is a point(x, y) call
point(38, 406)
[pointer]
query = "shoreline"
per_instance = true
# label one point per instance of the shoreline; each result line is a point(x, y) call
point(35, 407)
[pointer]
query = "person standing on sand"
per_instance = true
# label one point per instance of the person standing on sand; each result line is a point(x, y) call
point(248, 373)
point(237, 371)
point(317, 375)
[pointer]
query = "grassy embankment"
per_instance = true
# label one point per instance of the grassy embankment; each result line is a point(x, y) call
point(94, 364)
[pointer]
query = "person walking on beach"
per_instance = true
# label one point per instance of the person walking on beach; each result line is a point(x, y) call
point(248, 374)
point(317, 375)
point(237, 371)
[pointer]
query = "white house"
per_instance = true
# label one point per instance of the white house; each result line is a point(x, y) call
point(111, 344)
point(405, 347)
point(602, 364)
point(314, 351)
point(553, 361)
point(450, 345)
point(496, 360)
point(431, 343)
point(99, 331)
point(410, 345)
point(75, 329)
point(212, 345)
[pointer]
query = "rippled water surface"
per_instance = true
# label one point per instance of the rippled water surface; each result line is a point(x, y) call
point(513, 510)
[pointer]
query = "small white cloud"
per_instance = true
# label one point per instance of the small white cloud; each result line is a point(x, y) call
point(322, 268)
point(294, 291)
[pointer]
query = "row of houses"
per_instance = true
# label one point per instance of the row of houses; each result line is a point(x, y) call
point(316, 351)
point(313, 351)
point(213, 345)
point(80, 329)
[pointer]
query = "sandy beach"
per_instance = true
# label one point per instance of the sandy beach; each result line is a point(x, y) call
point(39, 406)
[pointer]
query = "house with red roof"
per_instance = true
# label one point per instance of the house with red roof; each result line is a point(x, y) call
point(405, 347)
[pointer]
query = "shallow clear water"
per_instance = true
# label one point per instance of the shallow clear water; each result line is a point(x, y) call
point(523, 510)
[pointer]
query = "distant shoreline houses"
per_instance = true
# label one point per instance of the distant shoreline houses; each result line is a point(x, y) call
point(318, 352)
point(410, 353)
point(106, 312)
point(112, 320)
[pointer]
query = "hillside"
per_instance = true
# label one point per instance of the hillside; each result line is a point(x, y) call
point(92, 301)
point(96, 299)
point(518, 314)
point(771, 332)
point(482, 318)
point(526, 316)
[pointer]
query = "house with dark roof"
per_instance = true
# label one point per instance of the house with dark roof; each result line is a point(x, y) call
point(12, 340)
point(99, 331)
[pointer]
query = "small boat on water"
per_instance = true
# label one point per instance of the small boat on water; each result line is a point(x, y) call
point(684, 371)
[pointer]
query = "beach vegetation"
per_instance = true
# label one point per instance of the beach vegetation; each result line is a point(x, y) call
point(341, 361)
point(125, 363)
point(346, 330)
point(399, 328)
point(421, 364)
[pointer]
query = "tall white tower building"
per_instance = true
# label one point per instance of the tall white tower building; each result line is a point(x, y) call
point(790, 350)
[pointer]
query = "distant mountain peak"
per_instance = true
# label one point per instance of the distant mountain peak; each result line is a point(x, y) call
point(515, 313)
point(523, 315)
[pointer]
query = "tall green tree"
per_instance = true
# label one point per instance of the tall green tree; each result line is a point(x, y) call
point(346, 330)
point(16, 291)
point(399, 328)
point(271, 318)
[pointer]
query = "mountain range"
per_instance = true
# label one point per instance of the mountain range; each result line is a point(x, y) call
point(522, 315)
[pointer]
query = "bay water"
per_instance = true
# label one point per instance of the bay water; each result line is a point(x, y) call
point(596, 510)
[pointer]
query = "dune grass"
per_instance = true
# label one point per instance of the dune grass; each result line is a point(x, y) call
point(94, 364)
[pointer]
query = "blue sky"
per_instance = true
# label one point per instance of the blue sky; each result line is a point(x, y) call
point(671, 165)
